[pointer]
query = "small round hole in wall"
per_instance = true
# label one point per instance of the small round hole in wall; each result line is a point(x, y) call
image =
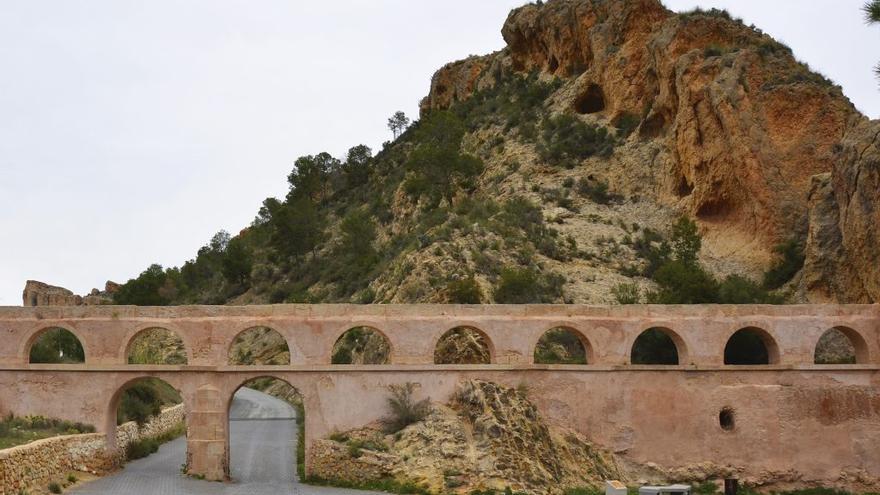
point(727, 419)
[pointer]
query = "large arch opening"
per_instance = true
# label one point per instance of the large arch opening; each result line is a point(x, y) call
point(259, 346)
point(463, 345)
point(265, 435)
point(562, 345)
point(658, 346)
point(751, 346)
point(841, 345)
point(156, 346)
point(361, 345)
point(147, 415)
point(56, 345)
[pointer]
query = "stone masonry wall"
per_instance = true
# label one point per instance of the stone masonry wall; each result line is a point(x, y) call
point(40, 462)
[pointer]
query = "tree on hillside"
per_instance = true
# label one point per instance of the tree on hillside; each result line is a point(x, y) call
point(398, 123)
point(237, 262)
point(437, 166)
point(144, 290)
point(310, 176)
point(872, 15)
point(357, 165)
point(296, 227)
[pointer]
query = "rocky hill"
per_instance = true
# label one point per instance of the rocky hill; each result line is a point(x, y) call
point(588, 135)
point(552, 171)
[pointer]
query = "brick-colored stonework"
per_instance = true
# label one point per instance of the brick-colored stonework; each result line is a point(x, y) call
point(37, 463)
point(817, 422)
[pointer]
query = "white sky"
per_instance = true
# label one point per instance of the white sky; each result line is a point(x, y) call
point(132, 131)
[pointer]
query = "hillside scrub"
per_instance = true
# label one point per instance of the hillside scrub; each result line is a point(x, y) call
point(16, 430)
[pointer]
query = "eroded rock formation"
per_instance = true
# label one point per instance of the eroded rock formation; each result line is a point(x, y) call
point(488, 437)
point(733, 127)
point(42, 294)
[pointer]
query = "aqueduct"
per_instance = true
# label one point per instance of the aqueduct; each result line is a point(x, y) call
point(791, 415)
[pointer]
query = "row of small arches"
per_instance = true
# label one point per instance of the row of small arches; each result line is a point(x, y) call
point(460, 345)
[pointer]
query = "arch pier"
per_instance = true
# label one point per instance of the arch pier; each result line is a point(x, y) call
point(745, 377)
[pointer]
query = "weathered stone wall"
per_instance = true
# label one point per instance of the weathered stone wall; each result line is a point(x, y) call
point(38, 463)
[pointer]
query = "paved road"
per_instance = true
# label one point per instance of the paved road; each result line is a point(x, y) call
point(263, 450)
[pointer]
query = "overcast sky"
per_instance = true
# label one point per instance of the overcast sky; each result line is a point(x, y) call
point(131, 131)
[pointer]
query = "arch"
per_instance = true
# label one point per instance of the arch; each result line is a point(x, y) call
point(658, 346)
point(139, 350)
point(280, 389)
point(841, 345)
point(258, 345)
point(113, 418)
point(563, 345)
point(464, 344)
point(751, 346)
point(70, 347)
point(362, 345)
point(590, 100)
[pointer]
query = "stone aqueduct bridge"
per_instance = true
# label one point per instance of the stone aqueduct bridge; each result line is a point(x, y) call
point(790, 416)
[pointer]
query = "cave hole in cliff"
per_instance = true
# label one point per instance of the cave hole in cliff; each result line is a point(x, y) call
point(145, 407)
point(591, 100)
point(156, 346)
point(841, 345)
point(684, 187)
point(727, 419)
point(751, 346)
point(552, 64)
point(259, 346)
point(361, 345)
point(652, 126)
point(463, 345)
point(56, 345)
point(272, 410)
point(658, 346)
point(563, 345)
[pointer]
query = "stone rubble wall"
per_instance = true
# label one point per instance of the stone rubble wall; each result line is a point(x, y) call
point(40, 462)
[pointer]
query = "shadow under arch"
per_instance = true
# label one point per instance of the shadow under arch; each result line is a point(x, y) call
point(831, 348)
point(751, 346)
point(659, 346)
point(574, 347)
point(54, 345)
point(258, 345)
point(464, 344)
point(362, 344)
point(111, 423)
point(281, 414)
point(165, 347)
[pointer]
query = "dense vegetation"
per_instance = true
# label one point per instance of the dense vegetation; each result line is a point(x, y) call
point(673, 264)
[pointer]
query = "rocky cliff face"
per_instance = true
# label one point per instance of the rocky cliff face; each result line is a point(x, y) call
point(732, 127)
point(843, 248)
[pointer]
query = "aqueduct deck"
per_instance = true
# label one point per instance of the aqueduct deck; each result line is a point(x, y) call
point(819, 422)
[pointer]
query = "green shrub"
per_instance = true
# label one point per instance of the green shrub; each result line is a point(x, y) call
point(141, 448)
point(464, 291)
point(71, 478)
point(567, 140)
point(54, 487)
point(404, 409)
point(527, 286)
point(626, 123)
point(627, 294)
point(596, 191)
point(790, 261)
point(683, 283)
point(736, 289)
